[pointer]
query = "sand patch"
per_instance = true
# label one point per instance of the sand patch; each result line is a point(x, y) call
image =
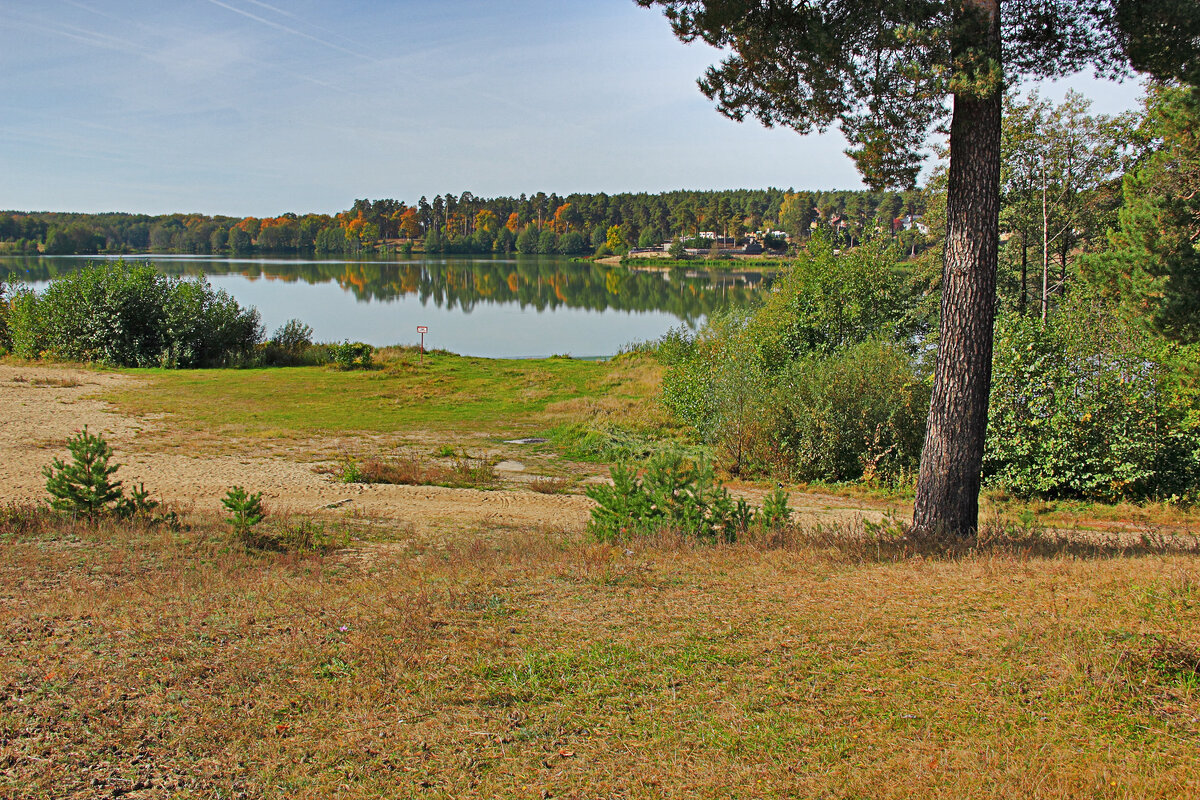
point(42, 406)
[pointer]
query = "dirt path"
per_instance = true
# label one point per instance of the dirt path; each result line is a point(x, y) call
point(41, 406)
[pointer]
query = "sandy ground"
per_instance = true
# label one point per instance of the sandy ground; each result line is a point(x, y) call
point(41, 406)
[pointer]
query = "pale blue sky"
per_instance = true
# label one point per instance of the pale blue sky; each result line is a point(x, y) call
point(252, 107)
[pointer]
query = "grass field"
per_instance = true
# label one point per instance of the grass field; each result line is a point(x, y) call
point(458, 660)
point(151, 663)
point(443, 397)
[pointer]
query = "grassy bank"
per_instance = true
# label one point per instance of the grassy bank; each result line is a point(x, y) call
point(532, 663)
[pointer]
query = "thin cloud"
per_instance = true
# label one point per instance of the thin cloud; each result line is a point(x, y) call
point(292, 31)
point(284, 13)
point(91, 10)
point(278, 11)
point(92, 38)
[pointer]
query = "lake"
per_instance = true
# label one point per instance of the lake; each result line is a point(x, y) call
point(495, 307)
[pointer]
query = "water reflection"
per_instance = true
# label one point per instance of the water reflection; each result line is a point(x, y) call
point(550, 292)
point(539, 283)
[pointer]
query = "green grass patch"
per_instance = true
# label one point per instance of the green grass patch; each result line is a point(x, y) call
point(445, 393)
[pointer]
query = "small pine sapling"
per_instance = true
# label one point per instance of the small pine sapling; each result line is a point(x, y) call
point(775, 512)
point(138, 503)
point(245, 510)
point(85, 486)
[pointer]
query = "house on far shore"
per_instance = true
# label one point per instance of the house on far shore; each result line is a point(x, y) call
point(907, 223)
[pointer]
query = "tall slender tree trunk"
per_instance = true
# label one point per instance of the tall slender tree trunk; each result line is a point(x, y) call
point(1045, 250)
point(947, 500)
point(1064, 250)
point(1024, 273)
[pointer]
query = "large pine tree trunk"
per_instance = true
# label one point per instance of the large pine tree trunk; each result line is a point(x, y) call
point(947, 501)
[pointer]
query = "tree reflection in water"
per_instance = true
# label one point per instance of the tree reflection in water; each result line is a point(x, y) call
point(540, 283)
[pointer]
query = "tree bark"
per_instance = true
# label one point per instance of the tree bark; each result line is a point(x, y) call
point(1024, 273)
point(947, 499)
point(1045, 249)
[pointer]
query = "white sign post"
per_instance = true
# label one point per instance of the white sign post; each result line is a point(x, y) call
point(422, 329)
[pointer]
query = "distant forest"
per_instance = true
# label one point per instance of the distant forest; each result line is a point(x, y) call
point(578, 224)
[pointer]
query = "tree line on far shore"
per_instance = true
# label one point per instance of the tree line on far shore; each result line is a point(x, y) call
point(574, 224)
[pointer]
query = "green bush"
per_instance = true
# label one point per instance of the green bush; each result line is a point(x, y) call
point(855, 414)
point(130, 315)
point(723, 391)
point(289, 345)
point(828, 301)
point(674, 347)
point(206, 327)
point(818, 383)
point(1091, 406)
point(679, 495)
point(351, 355)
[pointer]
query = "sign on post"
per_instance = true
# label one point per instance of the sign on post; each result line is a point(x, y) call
point(422, 329)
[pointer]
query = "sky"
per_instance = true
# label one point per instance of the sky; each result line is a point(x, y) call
point(248, 107)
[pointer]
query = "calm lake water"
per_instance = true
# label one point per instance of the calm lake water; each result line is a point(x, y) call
point(496, 307)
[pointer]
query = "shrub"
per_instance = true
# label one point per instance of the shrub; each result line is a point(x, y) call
point(674, 347)
point(292, 336)
point(26, 324)
point(827, 302)
point(127, 315)
point(290, 345)
point(676, 494)
point(855, 414)
point(817, 383)
point(722, 391)
point(1088, 405)
point(206, 327)
point(351, 355)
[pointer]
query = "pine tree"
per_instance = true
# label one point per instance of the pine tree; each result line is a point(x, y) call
point(84, 486)
point(890, 71)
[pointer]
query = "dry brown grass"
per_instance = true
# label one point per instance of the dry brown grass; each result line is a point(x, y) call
point(546, 484)
point(460, 471)
point(49, 382)
point(528, 663)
